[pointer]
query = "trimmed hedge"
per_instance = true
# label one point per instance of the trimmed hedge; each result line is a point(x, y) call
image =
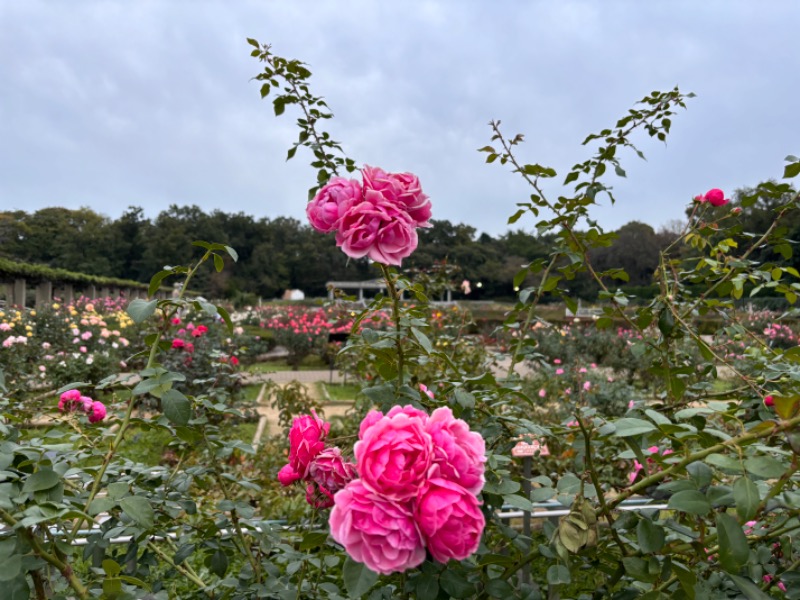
point(12, 268)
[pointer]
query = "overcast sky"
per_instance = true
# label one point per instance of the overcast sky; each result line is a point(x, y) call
point(108, 104)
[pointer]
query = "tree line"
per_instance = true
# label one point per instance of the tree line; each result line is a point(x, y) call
point(283, 253)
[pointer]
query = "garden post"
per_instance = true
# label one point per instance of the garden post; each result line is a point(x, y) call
point(20, 290)
point(68, 294)
point(44, 294)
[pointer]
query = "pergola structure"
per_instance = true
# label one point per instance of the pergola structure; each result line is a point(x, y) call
point(371, 284)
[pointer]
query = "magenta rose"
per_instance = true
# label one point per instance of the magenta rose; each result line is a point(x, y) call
point(458, 453)
point(330, 471)
point(287, 475)
point(450, 520)
point(327, 207)
point(71, 401)
point(306, 440)
point(394, 454)
point(377, 228)
point(97, 412)
point(376, 531)
point(715, 197)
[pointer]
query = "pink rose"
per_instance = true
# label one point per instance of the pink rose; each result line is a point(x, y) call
point(458, 453)
point(450, 520)
point(287, 475)
point(306, 440)
point(768, 401)
point(178, 343)
point(330, 203)
point(330, 471)
point(424, 389)
point(97, 412)
point(377, 228)
point(376, 531)
point(394, 453)
point(404, 188)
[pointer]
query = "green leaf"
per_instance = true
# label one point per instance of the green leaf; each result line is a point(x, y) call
point(358, 579)
point(313, 540)
point(232, 253)
point(456, 585)
point(764, 466)
point(746, 498)
point(219, 264)
point(177, 407)
point(628, 426)
point(650, 535)
point(519, 502)
point(557, 574)
point(219, 563)
point(791, 170)
point(111, 568)
point(422, 339)
point(499, 588)
point(140, 310)
point(690, 501)
point(139, 510)
point(43, 479)
point(733, 548)
point(10, 567)
point(426, 586)
point(749, 589)
point(155, 281)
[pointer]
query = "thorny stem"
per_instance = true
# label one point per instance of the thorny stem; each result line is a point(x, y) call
point(118, 439)
point(516, 355)
point(742, 258)
point(700, 454)
point(390, 283)
point(604, 509)
point(191, 575)
point(48, 557)
point(311, 120)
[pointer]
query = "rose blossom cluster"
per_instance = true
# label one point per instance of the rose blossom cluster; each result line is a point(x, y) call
point(72, 400)
point(378, 218)
point(419, 478)
point(322, 468)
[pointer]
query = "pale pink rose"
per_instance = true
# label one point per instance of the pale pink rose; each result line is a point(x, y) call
point(557, 361)
point(542, 393)
point(559, 371)
point(331, 202)
point(424, 389)
point(411, 197)
point(97, 412)
point(587, 385)
point(458, 453)
point(287, 475)
point(330, 471)
point(394, 453)
point(306, 440)
point(450, 520)
point(376, 531)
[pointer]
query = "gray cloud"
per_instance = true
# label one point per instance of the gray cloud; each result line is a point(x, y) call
point(108, 104)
